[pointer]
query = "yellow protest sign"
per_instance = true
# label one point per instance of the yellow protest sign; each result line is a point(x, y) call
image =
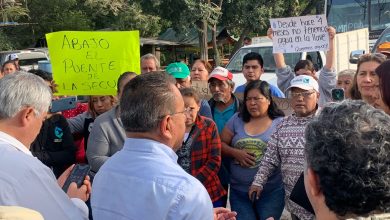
point(90, 62)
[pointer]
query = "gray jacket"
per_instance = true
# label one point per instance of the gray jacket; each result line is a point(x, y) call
point(106, 138)
point(326, 81)
point(76, 124)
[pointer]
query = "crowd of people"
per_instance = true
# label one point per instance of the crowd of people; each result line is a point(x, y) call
point(157, 150)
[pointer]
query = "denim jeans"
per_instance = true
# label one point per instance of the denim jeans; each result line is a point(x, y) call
point(270, 204)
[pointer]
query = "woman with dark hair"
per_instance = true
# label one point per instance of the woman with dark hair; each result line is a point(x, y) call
point(383, 100)
point(9, 67)
point(366, 80)
point(245, 138)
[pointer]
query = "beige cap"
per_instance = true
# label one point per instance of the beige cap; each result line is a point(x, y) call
point(18, 213)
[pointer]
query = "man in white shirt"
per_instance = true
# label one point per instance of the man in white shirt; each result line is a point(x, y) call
point(24, 180)
point(143, 180)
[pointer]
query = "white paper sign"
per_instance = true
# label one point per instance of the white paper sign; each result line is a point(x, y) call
point(300, 34)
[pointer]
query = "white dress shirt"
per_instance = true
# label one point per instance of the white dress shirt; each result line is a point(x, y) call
point(25, 181)
point(144, 181)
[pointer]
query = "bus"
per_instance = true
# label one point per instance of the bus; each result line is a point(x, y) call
point(348, 15)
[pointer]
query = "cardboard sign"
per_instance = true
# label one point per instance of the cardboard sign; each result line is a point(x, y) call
point(284, 105)
point(202, 87)
point(89, 63)
point(300, 34)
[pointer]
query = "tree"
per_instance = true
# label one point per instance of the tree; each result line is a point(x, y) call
point(242, 17)
point(5, 43)
point(187, 14)
point(11, 10)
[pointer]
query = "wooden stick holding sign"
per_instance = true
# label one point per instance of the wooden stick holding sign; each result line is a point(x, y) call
point(300, 34)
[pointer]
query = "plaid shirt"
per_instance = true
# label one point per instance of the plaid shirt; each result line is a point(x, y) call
point(206, 156)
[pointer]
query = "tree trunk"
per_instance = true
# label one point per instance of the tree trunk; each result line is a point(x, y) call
point(203, 40)
point(217, 57)
point(238, 44)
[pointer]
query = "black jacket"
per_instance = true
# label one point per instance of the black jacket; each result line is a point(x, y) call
point(54, 144)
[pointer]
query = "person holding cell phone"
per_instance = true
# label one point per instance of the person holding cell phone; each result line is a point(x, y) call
point(344, 81)
point(24, 180)
point(244, 139)
point(54, 144)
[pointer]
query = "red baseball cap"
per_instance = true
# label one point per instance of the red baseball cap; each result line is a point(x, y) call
point(221, 73)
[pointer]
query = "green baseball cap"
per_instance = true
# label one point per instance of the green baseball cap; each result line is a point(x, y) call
point(178, 70)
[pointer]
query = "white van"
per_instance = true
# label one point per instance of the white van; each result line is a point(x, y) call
point(28, 59)
point(264, 48)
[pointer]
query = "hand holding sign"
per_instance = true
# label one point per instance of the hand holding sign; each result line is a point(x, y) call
point(299, 34)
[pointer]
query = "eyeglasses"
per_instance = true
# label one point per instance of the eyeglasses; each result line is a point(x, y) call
point(303, 94)
point(186, 111)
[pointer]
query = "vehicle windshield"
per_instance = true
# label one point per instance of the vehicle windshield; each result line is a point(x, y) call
point(349, 15)
point(29, 62)
point(235, 63)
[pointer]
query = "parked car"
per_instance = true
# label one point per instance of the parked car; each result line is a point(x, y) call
point(28, 59)
point(264, 48)
point(381, 45)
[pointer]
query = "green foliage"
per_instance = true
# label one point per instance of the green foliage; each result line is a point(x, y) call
point(5, 43)
point(105, 7)
point(135, 19)
point(12, 10)
point(252, 15)
point(57, 15)
point(186, 14)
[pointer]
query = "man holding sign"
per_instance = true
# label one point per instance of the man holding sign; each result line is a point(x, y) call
point(289, 34)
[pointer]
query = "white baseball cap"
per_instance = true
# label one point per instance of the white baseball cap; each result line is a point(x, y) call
point(304, 82)
point(12, 56)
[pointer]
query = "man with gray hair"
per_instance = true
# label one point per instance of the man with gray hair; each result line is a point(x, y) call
point(24, 180)
point(149, 63)
point(143, 180)
point(347, 161)
point(223, 105)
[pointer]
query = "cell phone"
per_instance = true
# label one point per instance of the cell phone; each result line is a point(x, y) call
point(63, 104)
point(253, 196)
point(77, 175)
point(299, 196)
point(338, 95)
